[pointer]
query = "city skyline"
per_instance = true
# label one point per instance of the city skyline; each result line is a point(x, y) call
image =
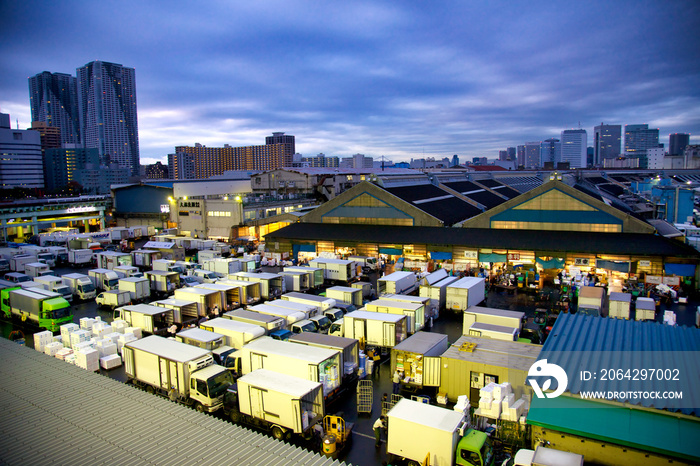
point(402, 81)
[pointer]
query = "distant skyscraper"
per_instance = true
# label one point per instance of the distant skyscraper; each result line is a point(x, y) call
point(455, 160)
point(639, 138)
point(108, 120)
point(607, 142)
point(573, 147)
point(550, 151)
point(521, 156)
point(62, 164)
point(20, 164)
point(206, 161)
point(532, 154)
point(677, 143)
point(511, 153)
point(53, 98)
point(181, 166)
point(289, 146)
point(156, 171)
point(503, 155)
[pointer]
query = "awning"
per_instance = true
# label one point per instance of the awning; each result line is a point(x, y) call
point(492, 257)
point(391, 251)
point(612, 265)
point(554, 263)
point(682, 270)
point(307, 247)
point(441, 256)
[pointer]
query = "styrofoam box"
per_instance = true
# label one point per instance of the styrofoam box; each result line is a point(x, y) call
point(487, 391)
point(114, 336)
point(66, 330)
point(62, 354)
point(58, 339)
point(100, 342)
point(124, 339)
point(79, 336)
point(52, 348)
point(110, 362)
point(119, 325)
point(100, 329)
point(135, 330)
point(86, 323)
point(500, 391)
point(507, 401)
point(41, 339)
point(84, 346)
point(107, 350)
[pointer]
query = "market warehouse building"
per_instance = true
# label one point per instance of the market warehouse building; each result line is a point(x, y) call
point(553, 225)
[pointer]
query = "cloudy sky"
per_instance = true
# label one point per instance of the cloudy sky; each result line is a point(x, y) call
point(397, 79)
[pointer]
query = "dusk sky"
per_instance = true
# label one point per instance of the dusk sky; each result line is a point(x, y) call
point(402, 80)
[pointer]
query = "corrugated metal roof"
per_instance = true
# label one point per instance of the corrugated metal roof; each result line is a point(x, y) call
point(584, 343)
point(54, 412)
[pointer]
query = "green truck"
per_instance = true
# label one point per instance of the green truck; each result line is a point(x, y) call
point(44, 309)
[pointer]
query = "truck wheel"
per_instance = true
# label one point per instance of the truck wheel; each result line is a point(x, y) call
point(413, 463)
point(150, 389)
point(278, 433)
point(199, 407)
point(235, 416)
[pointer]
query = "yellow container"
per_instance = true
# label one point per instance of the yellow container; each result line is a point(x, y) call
point(329, 444)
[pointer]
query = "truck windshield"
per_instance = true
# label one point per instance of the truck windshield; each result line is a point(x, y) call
point(46, 257)
point(308, 327)
point(112, 282)
point(336, 328)
point(87, 288)
point(218, 384)
point(57, 313)
point(24, 278)
point(63, 290)
point(323, 322)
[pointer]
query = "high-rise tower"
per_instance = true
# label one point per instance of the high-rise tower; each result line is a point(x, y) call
point(53, 98)
point(677, 143)
point(289, 146)
point(639, 138)
point(108, 121)
point(607, 142)
point(573, 147)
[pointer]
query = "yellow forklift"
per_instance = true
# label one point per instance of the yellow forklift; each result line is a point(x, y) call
point(337, 436)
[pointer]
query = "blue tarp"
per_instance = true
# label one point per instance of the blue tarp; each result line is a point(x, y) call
point(612, 265)
point(441, 256)
point(554, 263)
point(391, 251)
point(492, 257)
point(307, 247)
point(682, 270)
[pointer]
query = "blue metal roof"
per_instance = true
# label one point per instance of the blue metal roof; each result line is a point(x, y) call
point(599, 344)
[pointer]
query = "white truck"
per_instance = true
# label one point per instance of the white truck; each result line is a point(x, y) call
point(316, 274)
point(181, 372)
point(591, 300)
point(414, 312)
point(210, 303)
point(645, 309)
point(497, 332)
point(221, 266)
point(143, 258)
point(201, 338)
point(111, 259)
point(167, 266)
point(291, 405)
point(55, 284)
point(348, 348)
point(346, 294)
point(335, 270)
point(397, 283)
point(543, 456)
point(79, 257)
point(619, 305)
point(418, 357)
point(465, 293)
point(367, 264)
point(207, 254)
point(37, 269)
point(374, 328)
point(322, 303)
point(19, 262)
point(309, 310)
point(250, 291)
point(162, 283)
point(230, 294)
point(184, 312)
point(80, 285)
point(311, 363)
point(236, 334)
point(60, 254)
point(113, 299)
point(437, 293)
point(290, 316)
point(104, 279)
point(124, 271)
point(296, 281)
point(138, 287)
point(488, 315)
point(154, 320)
point(271, 284)
point(268, 322)
point(445, 439)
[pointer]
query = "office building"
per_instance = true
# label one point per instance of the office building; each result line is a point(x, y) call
point(550, 152)
point(62, 163)
point(573, 147)
point(289, 146)
point(677, 142)
point(511, 153)
point(521, 156)
point(532, 154)
point(20, 157)
point(455, 160)
point(503, 155)
point(107, 111)
point(201, 162)
point(357, 161)
point(321, 161)
point(53, 98)
point(50, 136)
point(607, 142)
point(156, 171)
point(99, 180)
point(639, 138)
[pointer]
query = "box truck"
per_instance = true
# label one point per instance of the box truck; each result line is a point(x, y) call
point(124, 271)
point(44, 309)
point(79, 257)
point(291, 404)
point(432, 277)
point(271, 284)
point(543, 456)
point(181, 372)
point(184, 312)
point(268, 322)
point(346, 294)
point(487, 315)
point(349, 349)
point(465, 293)
point(645, 309)
point(250, 291)
point(37, 269)
point(143, 258)
point(414, 312)
point(316, 278)
point(55, 284)
point(290, 316)
point(322, 303)
point(111, 259)
point(309, 310)
point(374, 328)
point(367, 264)
point(619, 305)
point(138, 287)
point(80, 285)
point(236, 334)
point(444, 436)
point(335, 270)
point(18, 262)
point(201, 338)
point(104, 279)
point(151, 319)
point(230, 294)
point(207, 254)
point(221, 267)
point(295, 281)
point(311, 363)
point(418, 357)
point(591, 300)
point(437, 293)
point(497, 332)
point(162, 283)
point(397, 283)
point(113, 298)
point(209, 302)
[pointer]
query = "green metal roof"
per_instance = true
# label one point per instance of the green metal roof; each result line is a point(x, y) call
point(646, 430)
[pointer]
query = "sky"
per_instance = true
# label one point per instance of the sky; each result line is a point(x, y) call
point(399, 80)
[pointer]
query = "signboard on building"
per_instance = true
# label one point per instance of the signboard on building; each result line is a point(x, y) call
point(582, 261)
point(653, 280)
point(471, 254)
point(513, 256)
point(672, 281)
point(645, 263)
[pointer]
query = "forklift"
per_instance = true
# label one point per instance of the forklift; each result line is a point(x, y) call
point(337, 436)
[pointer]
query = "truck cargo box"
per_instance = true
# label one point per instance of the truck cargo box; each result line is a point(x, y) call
point(488, 315)
point(418, 357)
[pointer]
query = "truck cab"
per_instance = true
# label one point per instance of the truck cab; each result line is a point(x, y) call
point(305, 325)
point(474, 449)
point(322, 323)
point(205, 276)
point(16, 277)
point(208, 387)
point(281, 334)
